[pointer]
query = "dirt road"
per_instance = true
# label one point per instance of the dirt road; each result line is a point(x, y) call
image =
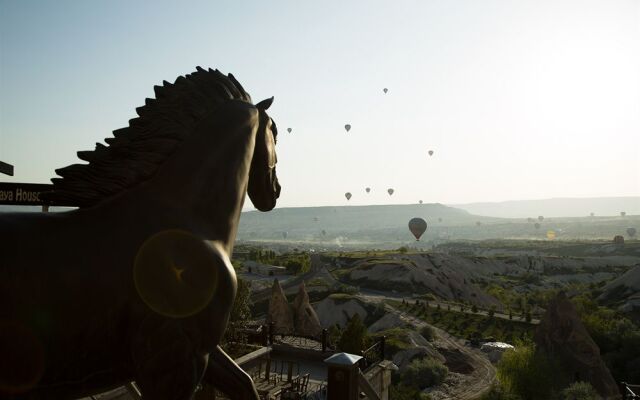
point(463, 387)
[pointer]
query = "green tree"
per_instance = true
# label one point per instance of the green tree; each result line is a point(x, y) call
point(334, 332)
point(492, 311)
point(497, 392)
point(474, 309)
point(528, 373)
point(354, 338)
point(240, 313)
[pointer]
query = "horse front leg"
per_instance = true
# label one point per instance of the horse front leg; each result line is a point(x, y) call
point(223, 373)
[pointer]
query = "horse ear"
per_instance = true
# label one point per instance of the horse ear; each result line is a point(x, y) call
point(265, 104)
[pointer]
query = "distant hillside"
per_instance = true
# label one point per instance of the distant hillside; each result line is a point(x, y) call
point(303, 222)
point(385, 226)
point(557, 207)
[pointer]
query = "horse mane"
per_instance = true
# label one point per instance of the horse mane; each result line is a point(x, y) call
point(134, 154)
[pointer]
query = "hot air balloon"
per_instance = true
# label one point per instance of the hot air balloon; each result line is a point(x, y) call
point(347, 195)
point(592, 214)
point(324, 233)
point(478, 223)
point(623, 213)
point(631, 232)
point(430, 152)
point(439, 219)
point(390, 191)
point(347, 127)
point(537, 225)
point(540, 218)
point(284, 235)
point(367, 190)
point(417, 226)
point(551, 235)
point(385, 90)
point(289, 130)
point(420, 202)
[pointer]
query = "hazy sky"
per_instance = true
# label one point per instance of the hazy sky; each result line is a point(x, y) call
point(518, 99)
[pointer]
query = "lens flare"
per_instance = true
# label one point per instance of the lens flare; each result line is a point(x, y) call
point(175, 273)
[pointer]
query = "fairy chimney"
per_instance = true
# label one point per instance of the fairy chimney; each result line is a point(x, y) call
point(279, 310)
point(306, 319)
point(562, 335)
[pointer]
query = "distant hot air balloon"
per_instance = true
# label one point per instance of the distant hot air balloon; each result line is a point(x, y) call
point(390, 191)
point(551, 235)
point(439, 219)
point(478, 223)
point(537, 225)
point(631, 232)
point(420, 202)
point(430, 152)
point(623, 213)
point(367, 190)
point(347, 195)
point(284, 235)
point(289, 130)
point(592, 214)
point(385, 90)
point(417, 226)
point(540, 218)
point(347, 127)
point(324, 233)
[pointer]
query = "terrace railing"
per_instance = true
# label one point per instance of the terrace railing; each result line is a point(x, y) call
point(629, 391)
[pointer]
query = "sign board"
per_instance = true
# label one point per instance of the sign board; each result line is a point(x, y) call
point(6, 169)
point(23, 194)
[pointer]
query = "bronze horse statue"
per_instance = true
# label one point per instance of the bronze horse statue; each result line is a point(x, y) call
point(136, 284)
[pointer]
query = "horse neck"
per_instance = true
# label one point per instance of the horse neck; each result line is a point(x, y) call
point(202, 186)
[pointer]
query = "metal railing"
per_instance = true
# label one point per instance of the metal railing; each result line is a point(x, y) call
point(628, 391)
point(373, 354)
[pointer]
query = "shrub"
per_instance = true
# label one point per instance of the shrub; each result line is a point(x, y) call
point(497, 392)
point(580, 391)
point(424, 373)
point(404, 392)
point(428, 333)
point(474, 309)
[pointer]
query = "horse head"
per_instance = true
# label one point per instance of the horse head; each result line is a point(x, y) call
point(264, 188)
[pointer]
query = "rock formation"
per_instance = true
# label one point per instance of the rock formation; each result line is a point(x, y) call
point(562, 335)
point(337, 310)
point(624, 293)
point(305, 317)
point(279, 310)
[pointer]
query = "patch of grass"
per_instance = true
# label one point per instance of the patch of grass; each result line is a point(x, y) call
point(396, 339)
point(341, 297)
